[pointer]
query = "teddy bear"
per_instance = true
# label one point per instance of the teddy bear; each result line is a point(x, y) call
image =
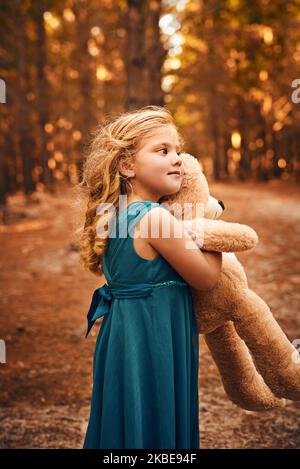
point(254, 357)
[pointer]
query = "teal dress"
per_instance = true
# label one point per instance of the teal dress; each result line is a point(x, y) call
point(145, 371)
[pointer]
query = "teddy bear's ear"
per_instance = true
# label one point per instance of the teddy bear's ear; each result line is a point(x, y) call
point(198, 161)
point(191, 161)
point(201, 166)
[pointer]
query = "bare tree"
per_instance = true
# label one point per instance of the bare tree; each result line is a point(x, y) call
point(135, 57)
point(42, 93)
point(155, 54)
point(25, 142)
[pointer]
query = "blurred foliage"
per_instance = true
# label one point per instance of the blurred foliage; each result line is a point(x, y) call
point(224, 68)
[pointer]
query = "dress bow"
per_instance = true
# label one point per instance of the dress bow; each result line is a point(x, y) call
point(100, 305)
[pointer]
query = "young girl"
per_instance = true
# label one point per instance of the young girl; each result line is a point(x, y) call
point(145, 372)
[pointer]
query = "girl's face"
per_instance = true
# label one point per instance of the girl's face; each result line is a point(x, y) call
point(157, 157)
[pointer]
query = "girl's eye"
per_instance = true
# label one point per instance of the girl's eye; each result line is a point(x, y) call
point(165, 149)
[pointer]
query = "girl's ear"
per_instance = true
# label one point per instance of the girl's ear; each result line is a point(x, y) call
point(126, 167)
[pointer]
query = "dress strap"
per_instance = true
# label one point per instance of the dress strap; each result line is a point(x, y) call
point(136, 211)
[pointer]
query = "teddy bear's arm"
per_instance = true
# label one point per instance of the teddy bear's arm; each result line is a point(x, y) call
point(221, 236)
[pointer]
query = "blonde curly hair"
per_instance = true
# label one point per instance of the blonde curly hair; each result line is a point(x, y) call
point(116, 139)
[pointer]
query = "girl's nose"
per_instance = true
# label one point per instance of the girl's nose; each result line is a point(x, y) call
point(178, 159)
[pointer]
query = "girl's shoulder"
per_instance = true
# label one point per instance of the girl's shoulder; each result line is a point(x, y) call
point(136, 209)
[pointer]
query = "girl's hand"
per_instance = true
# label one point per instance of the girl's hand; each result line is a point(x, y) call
point(195, 229)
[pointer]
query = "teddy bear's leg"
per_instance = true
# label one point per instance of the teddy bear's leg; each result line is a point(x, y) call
point(274, 356)
point(244, 386)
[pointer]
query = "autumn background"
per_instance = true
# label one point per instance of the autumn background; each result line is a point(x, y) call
point(226, 69)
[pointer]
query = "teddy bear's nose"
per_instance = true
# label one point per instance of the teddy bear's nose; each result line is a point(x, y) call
point(221, 203)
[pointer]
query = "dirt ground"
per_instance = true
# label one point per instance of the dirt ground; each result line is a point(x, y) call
point(47, 378)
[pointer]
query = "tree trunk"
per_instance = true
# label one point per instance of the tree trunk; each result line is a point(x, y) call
point(244, 169)
point(155, 55)
point(214, 131)
point(42, 93)
point(25, 142)
point(135, 59)
point(81, 11)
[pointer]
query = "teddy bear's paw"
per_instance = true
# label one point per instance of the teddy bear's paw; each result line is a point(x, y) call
point(261, 405)
point(247, 239)
point(263, 408)
point(287, 391)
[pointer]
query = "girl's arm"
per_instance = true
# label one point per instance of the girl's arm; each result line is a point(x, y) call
point(170, 239)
